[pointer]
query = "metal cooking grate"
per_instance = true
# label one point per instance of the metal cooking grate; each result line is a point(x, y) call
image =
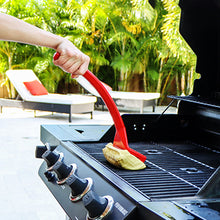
point(170, 172)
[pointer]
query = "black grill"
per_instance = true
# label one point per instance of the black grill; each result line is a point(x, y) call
point(182, 178)
point(173, 170)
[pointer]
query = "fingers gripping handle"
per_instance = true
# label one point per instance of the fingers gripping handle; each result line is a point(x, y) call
point(120, 139)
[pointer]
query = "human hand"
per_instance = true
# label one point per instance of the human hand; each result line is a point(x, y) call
point(71, 59)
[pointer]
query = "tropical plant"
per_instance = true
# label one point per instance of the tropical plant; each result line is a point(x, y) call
point(182, 57)
point(123, 39)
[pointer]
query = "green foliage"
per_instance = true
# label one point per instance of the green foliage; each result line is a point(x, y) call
point(122, 38)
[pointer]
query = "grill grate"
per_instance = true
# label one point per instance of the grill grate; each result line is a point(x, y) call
point(173, 170)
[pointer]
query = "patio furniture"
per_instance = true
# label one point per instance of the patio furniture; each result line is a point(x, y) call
point(123, 99)
point(70, 104)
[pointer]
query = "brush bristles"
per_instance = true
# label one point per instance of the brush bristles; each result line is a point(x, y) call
point(122, 158)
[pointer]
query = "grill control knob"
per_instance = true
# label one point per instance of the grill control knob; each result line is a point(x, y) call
point(79, 187)
point(51, 158)
point(97, 206)
point(49, 175)
point(63, 171)
point(40, 150)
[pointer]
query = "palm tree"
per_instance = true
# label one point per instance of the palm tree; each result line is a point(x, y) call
point(123, 39)
point(131, 22)
point(87, 22)
point(179, 49)
point(14, 55)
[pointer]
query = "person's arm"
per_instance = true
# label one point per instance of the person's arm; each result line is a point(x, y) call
point(71, 59)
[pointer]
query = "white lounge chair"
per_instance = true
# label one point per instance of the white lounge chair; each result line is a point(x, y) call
point(125, 99)
point(50, 102)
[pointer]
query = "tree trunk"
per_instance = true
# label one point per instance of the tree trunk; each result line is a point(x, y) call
point(183, 84)
point(159, 83)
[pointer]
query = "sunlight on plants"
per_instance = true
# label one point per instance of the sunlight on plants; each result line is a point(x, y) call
point(126, 41)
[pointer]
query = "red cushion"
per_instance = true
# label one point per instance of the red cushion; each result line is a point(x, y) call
point(36, 88)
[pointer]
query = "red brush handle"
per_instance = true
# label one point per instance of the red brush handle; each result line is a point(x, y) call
point(56, 56)
point(120, 139)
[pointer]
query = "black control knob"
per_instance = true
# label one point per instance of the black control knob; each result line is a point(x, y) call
point(62, 170)
point(79, 187)
point(97, 206)
point(40, 150)
point(50, 157)
point(50, 176)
